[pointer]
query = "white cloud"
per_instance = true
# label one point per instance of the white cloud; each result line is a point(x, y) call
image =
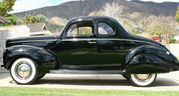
point(24, 5)
point(63, 1)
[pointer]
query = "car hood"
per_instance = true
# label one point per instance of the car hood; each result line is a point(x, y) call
point(39, 41)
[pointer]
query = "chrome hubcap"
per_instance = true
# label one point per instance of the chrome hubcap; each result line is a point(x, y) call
point(142, 76)
point(24, 70)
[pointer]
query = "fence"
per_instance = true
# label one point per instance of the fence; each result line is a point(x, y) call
point(11, 32)
point(3, 37)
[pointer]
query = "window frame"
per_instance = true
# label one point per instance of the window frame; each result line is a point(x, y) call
point(78, 36)
point(106, 35)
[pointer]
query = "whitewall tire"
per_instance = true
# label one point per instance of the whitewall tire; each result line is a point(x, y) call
point(24, 71)
point(142, 80)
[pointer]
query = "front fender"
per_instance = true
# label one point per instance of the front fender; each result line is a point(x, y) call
point(149, 59)
point(42, 57)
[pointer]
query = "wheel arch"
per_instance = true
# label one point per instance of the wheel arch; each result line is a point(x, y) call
point(147, 59)
point(42, 57)
point(8, 66)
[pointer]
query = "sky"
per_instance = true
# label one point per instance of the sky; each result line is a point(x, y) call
point(25, 5)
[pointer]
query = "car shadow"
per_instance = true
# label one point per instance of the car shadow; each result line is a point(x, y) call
point(86, 82)
point(91, 81)
point(165, 82)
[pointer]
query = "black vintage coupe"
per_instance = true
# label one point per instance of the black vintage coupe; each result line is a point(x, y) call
point(88, 45)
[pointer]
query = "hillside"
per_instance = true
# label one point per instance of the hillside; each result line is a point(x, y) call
point(65, 11)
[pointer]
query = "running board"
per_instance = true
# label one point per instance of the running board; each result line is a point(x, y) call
point(65, 71)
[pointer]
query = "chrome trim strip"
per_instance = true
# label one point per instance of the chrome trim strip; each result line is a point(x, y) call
point(77, 39)
point(52, 40)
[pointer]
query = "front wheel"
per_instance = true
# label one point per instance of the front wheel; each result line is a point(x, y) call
point(126, 76)
point(142, 80)
point(41, 76)
point(24, 71)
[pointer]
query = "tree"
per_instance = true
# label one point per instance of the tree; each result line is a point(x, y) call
point(139, 23)
point(162, 27)
point(113, 10)
point(6, 6)
point(177, 15)
point(28, 19)
point(12, 18)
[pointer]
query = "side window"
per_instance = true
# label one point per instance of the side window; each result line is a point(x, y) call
point(105, 29)
point(80, 29)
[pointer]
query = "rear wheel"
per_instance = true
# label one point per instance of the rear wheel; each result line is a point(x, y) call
point(24, 71)
point(142, 80)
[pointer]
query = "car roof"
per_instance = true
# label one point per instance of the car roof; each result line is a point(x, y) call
point(91, 18)
point(106, 19)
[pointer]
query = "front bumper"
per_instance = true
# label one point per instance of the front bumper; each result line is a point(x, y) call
point(174, 63)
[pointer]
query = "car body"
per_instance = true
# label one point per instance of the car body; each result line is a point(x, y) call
point(89, 44)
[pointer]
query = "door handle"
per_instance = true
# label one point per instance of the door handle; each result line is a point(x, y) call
point(92, 42)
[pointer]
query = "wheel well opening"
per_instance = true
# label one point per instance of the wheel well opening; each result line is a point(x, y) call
point(17, 57)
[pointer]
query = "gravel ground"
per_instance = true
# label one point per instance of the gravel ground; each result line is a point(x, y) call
point(169, 81)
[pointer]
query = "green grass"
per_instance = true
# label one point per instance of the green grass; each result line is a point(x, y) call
point(16, 91)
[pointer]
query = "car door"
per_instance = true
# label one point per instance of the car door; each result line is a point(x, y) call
point(110, 48)
point(78, 46)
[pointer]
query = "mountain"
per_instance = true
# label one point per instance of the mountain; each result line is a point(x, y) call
point(77, 8)
point(72, 9)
